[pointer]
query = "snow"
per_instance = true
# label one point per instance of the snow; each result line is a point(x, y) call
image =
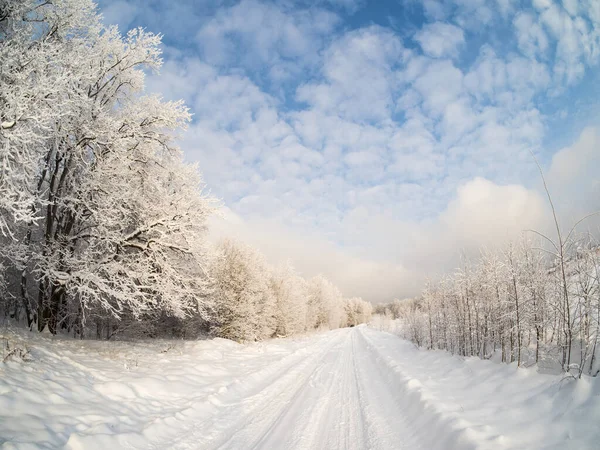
point(351, 388)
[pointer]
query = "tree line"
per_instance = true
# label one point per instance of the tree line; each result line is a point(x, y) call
point(103, 226)
point(521, 304)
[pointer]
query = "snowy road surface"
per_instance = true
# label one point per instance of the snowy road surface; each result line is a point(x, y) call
point(353, 388)
point(337, 395)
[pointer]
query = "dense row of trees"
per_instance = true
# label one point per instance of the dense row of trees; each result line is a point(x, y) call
point(516, 303)
point(255, 301)
point(102, 224)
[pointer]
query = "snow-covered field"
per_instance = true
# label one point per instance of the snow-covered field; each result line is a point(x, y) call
point(350, 388)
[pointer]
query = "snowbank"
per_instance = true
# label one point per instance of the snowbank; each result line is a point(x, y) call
point(91, 394)
point(457, 402)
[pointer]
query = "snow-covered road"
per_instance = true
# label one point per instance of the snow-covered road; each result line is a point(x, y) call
point(336, 397)
point(355, 388)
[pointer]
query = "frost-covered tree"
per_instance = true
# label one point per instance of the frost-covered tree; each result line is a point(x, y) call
point(100, 209)
point(357, 311)
point(326, 303)
point(291, 299)
point(244, 304)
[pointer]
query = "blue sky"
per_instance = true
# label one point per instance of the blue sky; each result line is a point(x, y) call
point(372, 141)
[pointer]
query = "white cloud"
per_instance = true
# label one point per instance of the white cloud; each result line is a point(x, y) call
point(458, 119)
point(361, 159)
point(507, 7)
point(540, 5)
point(440, 39)
point(121, 12)
point(573, 177)
point(358, 71)
point(574, 40)
point(435, 9)
point(254, 34)
point(484, 213)
point(440, 84)
point(474, 14)
point(533, 41)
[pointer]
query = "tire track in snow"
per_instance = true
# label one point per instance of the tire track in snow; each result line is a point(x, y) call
point(386, 409)
point(343, 402)
point(299, 418)
point(324, 412)
point(340, 393)
point(251, 407)
point(345, 424)
point(431, 428)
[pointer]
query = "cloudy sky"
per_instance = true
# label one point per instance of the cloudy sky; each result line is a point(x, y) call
point(373, 141)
